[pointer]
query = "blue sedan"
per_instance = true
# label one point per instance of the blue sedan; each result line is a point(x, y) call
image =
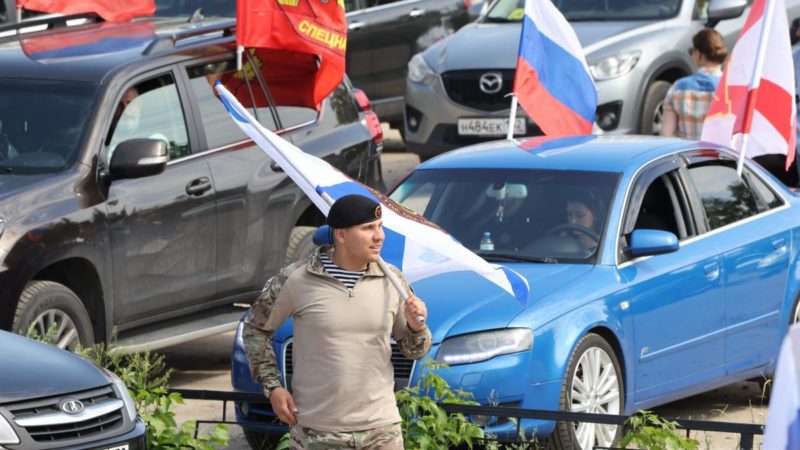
point(656, 273)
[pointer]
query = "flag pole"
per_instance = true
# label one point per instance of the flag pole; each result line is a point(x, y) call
point(512, 117)
point(755, 82)
point(239, 51)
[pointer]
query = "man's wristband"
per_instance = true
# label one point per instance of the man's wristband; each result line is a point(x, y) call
point(268, 389)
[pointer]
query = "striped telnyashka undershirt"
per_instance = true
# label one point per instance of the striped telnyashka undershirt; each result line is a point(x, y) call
point(347, 277)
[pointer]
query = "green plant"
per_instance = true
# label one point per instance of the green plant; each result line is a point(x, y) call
point(146, 376)
point(650, 432)
point(425, 424)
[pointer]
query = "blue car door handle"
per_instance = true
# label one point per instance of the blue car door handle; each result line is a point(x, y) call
point(779, 245)
point(712, 271)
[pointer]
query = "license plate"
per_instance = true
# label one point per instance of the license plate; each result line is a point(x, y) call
point(489, 127)
point(119, 447)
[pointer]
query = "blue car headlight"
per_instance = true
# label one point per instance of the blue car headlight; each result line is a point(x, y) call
point(477, 347)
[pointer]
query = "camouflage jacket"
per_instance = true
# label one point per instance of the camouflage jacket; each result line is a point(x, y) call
point(259, 329)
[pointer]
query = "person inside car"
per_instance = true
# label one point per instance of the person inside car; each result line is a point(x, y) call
point(583, 220)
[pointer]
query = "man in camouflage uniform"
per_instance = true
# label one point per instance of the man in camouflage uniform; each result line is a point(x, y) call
point(345, 311)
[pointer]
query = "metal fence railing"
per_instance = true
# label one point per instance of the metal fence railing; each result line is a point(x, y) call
point(746, 431)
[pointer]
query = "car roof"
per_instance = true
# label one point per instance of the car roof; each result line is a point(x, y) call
point(87, 52)
point(585, 153)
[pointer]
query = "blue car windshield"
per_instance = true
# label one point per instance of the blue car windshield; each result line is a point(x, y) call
point(591, 10)
point(550, 216)
point(42, 124)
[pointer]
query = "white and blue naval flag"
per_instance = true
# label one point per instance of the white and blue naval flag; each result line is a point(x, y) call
point(417, 247)
point(783, 418)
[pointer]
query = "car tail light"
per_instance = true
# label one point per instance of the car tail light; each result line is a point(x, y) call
point(362, 100)
point(468, 3)
point(374, 125)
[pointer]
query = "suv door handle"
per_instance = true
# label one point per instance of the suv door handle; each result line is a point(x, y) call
point(416, 12)
point(198, 186)
point(779, 245)
point(355, 26)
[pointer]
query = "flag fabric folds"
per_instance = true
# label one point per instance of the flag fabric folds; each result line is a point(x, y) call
point(289, 75)
point(756, 95)
point(552, 81)
point(109, 10)
point(313, 27)
point(783, 418)
point(417, 247)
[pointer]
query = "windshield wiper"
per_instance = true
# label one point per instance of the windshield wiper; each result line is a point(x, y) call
point(510, 257)
point(499, 20)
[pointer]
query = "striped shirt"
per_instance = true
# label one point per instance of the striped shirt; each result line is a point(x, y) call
point(347, 277)
point(690, 97)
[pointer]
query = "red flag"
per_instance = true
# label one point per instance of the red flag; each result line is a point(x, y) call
point(109, 10)
point(289, 75)
point(314, 27)
point(755, 97)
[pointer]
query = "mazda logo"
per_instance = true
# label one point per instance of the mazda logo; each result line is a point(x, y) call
point(71, 405)
point(491, 82)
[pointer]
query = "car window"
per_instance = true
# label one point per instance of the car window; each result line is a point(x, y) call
point(211, 8)
point(3, 16)
point(725, 196)
point(292, 116)
point(219, 129)
point(577, 10)
point(543, 215)
point(42, 123)
point(150, 109)
point(769, 198)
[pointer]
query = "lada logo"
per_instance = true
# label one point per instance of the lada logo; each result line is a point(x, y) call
point(491, 82)
point(71, 405)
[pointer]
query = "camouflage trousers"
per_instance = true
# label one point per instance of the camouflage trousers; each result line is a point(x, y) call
point(389, 437)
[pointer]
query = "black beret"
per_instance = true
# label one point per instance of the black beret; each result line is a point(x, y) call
point(353, 210)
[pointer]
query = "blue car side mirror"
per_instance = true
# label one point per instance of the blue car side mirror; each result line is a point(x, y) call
point(323, 236)
point(652, 242)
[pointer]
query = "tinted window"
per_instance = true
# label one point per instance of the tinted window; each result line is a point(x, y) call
point(542, 215)
point(3, 16)
point(150, 109)
point(219, 128)
point(211, 8)
point(576, 10)
point(726, 198)
point(42, 124)
point(767, 195)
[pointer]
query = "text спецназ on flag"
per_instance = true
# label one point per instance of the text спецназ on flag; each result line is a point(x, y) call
point(417, 247)
point(109, 10)
point(753, 110)
point(552, 81)
point(312, 27)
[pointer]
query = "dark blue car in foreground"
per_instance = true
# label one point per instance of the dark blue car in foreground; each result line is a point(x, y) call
point(54, 399)
point(656, 273)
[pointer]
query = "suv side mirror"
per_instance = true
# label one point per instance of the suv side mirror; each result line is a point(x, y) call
point(136, 158)
point(652, 242)
point(723, 10)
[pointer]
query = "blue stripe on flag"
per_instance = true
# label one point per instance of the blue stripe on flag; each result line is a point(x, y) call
point(338, 191)
point(518, 285)
point(560, 72)
point(393, 248)
point(230, 107)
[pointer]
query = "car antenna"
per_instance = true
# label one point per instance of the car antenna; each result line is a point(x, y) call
point(197, 16)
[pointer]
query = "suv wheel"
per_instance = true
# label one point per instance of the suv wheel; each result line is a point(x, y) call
point(300, 244)
point(593, 384)
point(653, 107)
point(47, 306)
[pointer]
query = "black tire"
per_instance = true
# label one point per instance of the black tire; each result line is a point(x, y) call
point(300, 244)
point(45, 302)
point(261, 441)
point(653, 100)
point(564, 436)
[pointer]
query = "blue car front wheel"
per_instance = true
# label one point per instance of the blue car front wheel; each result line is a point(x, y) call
point(593, 384)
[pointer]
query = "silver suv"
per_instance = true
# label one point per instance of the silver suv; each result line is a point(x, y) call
point(457, 91)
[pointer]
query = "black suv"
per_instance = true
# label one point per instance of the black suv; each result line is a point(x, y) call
point(382, 37)
point(129, 199)
point(53, 399)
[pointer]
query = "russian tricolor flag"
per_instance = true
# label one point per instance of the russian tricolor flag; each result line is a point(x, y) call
point(552, 82)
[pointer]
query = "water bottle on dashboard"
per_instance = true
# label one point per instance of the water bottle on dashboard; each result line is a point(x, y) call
point(486, 242)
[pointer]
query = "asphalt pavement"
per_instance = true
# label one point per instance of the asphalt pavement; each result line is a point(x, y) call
point(205, 364)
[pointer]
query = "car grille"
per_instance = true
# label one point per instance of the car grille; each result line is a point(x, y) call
point(463, 87)
point(57, 431)
point(403, 367)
